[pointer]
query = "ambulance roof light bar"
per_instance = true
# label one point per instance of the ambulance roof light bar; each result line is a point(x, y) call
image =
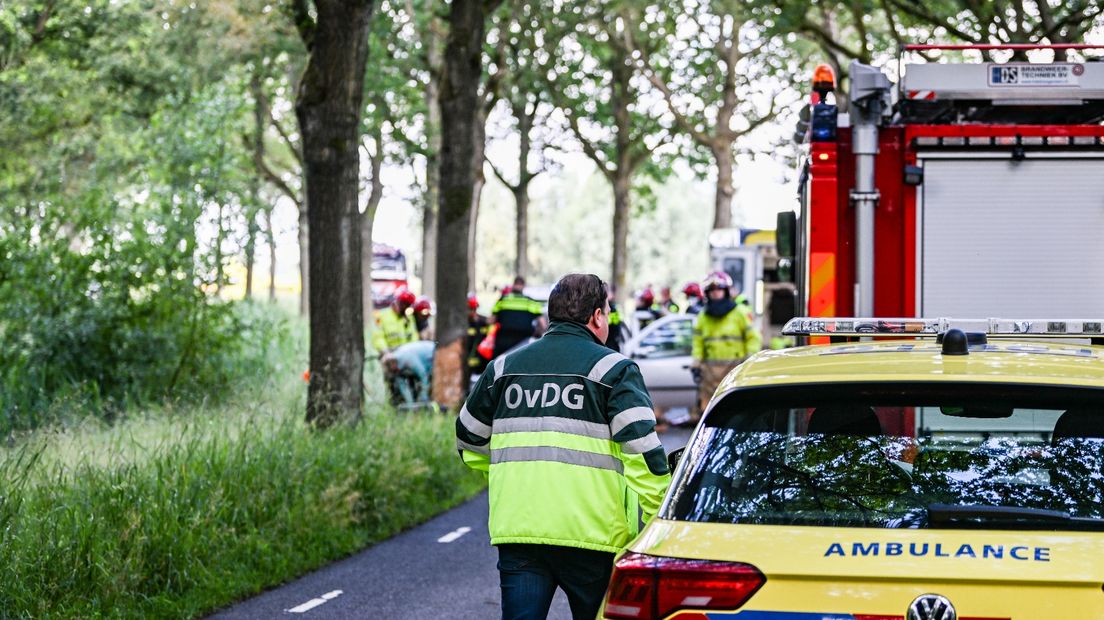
point(916, 47)
point(932, 327)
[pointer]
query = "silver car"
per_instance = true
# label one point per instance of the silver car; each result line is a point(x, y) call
point(662, 350)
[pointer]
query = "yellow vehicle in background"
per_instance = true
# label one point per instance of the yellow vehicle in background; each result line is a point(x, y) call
point(954, 473)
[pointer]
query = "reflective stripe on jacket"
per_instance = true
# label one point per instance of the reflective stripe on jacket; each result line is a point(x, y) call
point(516, 316)
point(566, 431)
point(726, 338)
point(392, 330)
point(517, 312)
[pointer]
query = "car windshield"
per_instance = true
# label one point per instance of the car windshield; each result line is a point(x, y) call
point(908, 456)
point(669, 339)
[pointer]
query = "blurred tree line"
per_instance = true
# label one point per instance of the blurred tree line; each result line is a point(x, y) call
point(146, 144)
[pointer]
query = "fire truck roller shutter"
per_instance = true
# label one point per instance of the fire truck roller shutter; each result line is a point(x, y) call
point(1011, 238)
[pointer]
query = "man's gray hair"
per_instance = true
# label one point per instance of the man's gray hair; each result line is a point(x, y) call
point(576, 296)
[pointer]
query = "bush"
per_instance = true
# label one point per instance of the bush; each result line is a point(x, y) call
point(179, 515)
point(97, 330)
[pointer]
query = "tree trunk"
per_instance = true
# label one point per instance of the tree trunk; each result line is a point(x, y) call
point(328, 106)
point(250, 246)
point(621, 206)
point(477, 192)
point(270, 239)
point(304, 255)
point(479, 144)
point(260, 121)
point(473, 215)
point(429, 231)
point(722, 201)
point(620, 98)
point(368, 218)
point(295, 77)
point(521, 200)
point(459, 111)
point(435, 61)
point(220, 235)
point(521, 190)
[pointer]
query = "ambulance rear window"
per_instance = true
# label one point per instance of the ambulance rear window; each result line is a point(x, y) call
point(902, 456)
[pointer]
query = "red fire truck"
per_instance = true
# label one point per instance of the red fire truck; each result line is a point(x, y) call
point(968, 190)
point(388, 273)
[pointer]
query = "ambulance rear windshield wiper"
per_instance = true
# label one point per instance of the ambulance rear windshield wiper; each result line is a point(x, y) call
point(979, 515)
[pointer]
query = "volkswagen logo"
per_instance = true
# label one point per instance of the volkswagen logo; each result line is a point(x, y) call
point(932, 607)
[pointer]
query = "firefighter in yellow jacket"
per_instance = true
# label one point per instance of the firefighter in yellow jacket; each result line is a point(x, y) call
point(394, 326)
point(724, 335)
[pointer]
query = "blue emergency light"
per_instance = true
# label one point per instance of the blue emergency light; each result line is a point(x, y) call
point(823, 123)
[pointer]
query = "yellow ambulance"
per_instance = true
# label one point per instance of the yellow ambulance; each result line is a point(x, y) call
point(954, 471)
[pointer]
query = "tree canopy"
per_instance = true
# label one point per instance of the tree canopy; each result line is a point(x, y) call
point(150, 146)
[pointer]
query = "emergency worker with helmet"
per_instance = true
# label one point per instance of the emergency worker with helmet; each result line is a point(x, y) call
point(393, 327)
point(423, 310)
point(519, 317)
point(724, 335)
point(565, 429)
point(477, 331)
point(647, 310)
point(694, 297)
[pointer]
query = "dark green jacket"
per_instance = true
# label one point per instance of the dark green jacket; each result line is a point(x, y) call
point(565, 429)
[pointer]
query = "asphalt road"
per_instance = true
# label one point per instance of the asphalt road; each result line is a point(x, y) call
point(444, 568)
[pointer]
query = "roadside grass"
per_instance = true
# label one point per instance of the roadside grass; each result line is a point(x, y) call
point(182, 510)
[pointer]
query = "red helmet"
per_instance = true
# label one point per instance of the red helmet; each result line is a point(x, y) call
point(404, 297)
point(717, 279)
point(423, 306)
point(506, 290)
point(647, 297)
point(692, 289)
point(473, 301)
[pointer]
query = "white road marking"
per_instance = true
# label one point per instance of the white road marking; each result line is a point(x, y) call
point(451, 536)
point(315, 602)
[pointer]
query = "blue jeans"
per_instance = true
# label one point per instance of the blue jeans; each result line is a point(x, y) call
point(530, 574)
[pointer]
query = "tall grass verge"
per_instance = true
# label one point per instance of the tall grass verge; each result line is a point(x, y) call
point(185, 509)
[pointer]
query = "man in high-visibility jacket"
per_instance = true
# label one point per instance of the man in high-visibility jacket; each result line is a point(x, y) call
point(518, 316)
point(564, 428)
point(393, 326)
point(724, 335)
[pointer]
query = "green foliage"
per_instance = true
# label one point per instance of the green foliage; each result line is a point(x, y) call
point(680, 222)
point(125, 186)
point(400, 67)
point(177, 515)
point(593, 82)
point(104, 296)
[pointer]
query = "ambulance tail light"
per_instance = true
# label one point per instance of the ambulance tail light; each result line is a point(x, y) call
point(651, 587)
